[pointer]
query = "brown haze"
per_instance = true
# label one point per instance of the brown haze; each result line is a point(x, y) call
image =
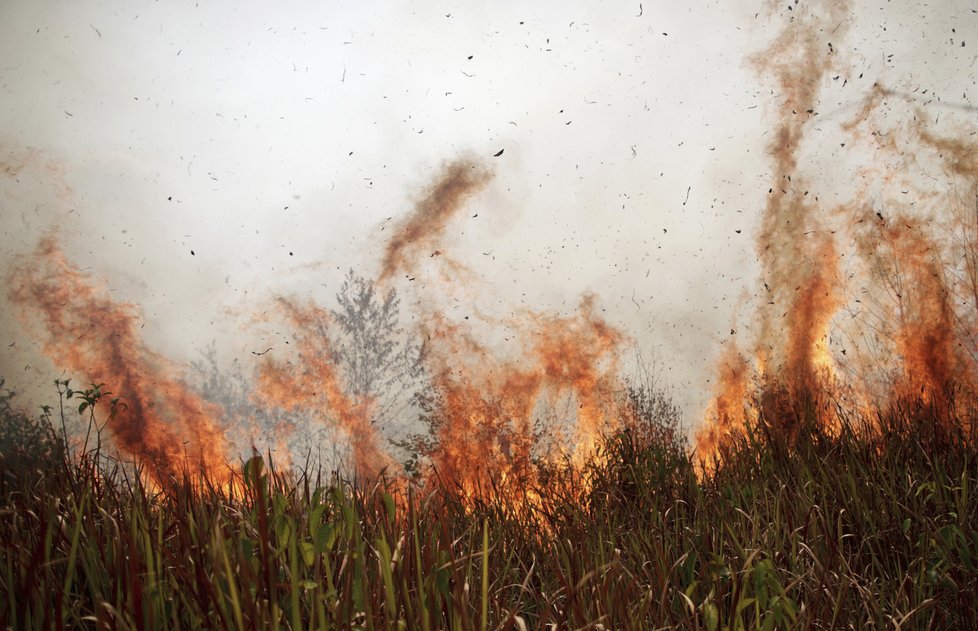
point(417, 236)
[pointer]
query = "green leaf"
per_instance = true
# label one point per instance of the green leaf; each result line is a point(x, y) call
point(711, 617)
point(308, 551)
point(316, 518)
point(326, 537)
point(389, 505)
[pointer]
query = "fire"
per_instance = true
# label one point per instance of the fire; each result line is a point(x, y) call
point(500, 414)
point(867, 302)
point(485, 420)
point(906, 310)
point(729, 411)
point(313, 384)
point(927, 328)
point(796, 251)
point(162, 425)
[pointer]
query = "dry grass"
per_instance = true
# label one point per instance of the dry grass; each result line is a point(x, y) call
point(827, 532)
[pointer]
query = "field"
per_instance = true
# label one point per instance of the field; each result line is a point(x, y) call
point(812, 530)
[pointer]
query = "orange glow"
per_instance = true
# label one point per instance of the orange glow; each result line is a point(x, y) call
point(490, 428)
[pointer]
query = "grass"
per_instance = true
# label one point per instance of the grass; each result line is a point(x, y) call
point(852, 530)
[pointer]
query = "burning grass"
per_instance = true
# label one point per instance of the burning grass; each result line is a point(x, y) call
point(831, 483)
point(850, 529)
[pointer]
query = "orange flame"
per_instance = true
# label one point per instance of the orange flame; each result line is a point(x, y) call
point(313, 383)
point(729, 408)
point(797, 254)
point(926, 334)
point(485, 425)
point(162, 424)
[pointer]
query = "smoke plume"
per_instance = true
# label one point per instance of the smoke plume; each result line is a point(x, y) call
point(418, 234)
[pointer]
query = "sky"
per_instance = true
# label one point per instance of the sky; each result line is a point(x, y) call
point(202, 158)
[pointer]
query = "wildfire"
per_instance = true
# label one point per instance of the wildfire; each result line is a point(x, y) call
point(868, 301)
point(485, 420)
point(496, 414)
point(499, 415)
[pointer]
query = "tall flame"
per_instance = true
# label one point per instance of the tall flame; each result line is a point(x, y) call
point(911, 292)
point(796, 252)
point(163, 425)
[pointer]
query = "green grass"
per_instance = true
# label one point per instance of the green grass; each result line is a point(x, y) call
point(855, 530)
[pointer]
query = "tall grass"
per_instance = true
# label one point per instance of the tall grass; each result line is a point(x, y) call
point(825, 531)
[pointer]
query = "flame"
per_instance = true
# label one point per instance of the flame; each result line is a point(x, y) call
point(926, 334)
point(907, 310)
point(796, 251)
point(729, 410)
point(485, 420)
point(162, 424)
point(313, 383)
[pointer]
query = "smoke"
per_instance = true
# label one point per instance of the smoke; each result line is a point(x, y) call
point(418, 234)
point(214, 157)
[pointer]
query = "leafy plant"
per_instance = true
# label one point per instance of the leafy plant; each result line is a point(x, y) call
point(29, 445)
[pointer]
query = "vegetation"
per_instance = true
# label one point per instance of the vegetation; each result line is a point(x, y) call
point(845, 530)
point(378, 360)
point(28, 444)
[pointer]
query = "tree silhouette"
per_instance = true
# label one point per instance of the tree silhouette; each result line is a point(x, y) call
point(378, 361)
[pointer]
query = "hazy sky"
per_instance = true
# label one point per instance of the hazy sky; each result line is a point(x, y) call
point(203, 157)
